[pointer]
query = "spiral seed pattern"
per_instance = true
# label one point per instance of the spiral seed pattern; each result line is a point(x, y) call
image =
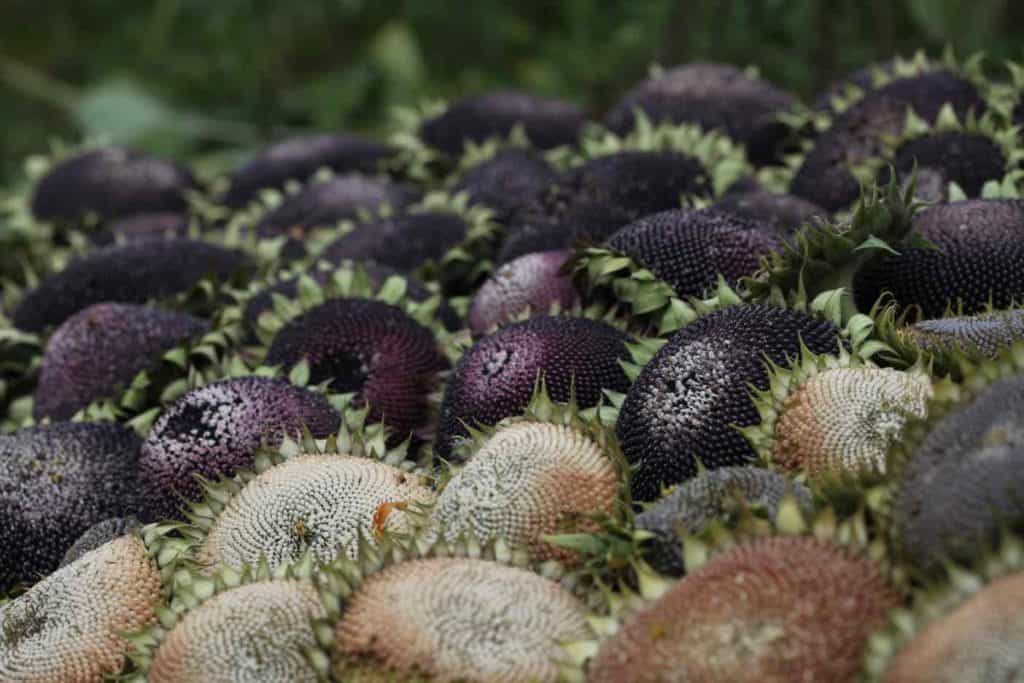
point(844, 420)
point(254, 633)
point(978, 641)
point(528, 480)
point(68, 628)
point(315, 502)
point(458, 620)
point(776, 609)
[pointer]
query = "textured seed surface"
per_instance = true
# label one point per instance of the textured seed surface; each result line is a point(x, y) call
point(785, 212)
point(299, 158)
point(327, 203)
point(507, 182)
point(319, 503)
point(980, 260)
point(404, 242)
point(967, 159)
point(254, 633)
point(985, 333)
point(689, 249)
point(216, 429)
point(713, 96)
point(55, 482)
point(69, 628)
point(496, 377)
point(102, 348)
point(368, 347)
point(687, 399)
point(844, 420)
point(965, 479)
point(458, 620)
point(592, 201)
point(97, 535)
point(110, 182)
point(129, 273)
point(377, 276)
point(694, 504)
point(778, 609)
point(528, 480)
point(979, 641)
point(530, 282)
point(547, 122)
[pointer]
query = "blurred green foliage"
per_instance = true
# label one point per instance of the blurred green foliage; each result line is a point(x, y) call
point(198, 78)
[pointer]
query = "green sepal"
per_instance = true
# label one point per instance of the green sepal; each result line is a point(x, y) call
point(827, 255)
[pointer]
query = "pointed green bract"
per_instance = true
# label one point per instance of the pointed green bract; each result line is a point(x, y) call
point(826, 256)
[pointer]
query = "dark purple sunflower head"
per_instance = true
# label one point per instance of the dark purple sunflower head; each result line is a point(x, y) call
point(496, 377)
point(689, 249)
point(856, 135)
point(217, 429)
point(323, 204)
point(507, 182)
point(968, 159)
point(688, 400)
point(547, 122)
point(299, 158)
point(110, 182)
point(978, 261)
point(592, 201)
point(100, 349)
point(404, 241)
point(533, 282)
point(713, 96)
point(55, 482)
point(368, 347)
point(129, 273)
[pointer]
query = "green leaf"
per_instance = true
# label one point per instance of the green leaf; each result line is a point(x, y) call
point(875, 243)
point(588, 544)
point(614, 264)
point(299, 375)
point(393, 290)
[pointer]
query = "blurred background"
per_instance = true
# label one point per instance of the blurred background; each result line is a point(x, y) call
point(193, 78)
